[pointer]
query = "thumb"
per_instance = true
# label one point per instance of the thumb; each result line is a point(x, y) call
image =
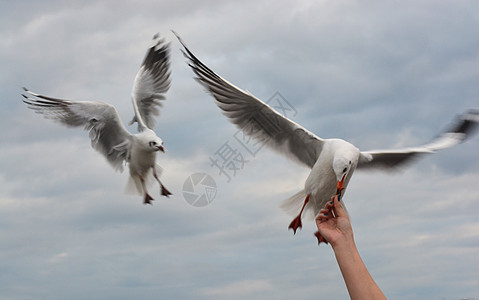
point(338, 208)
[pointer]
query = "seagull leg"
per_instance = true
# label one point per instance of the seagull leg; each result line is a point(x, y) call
point(296, 223)
point(164, 191)
point(148, 198)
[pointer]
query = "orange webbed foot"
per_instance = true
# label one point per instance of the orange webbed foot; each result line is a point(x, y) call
point(295, 224)
point(320, 238)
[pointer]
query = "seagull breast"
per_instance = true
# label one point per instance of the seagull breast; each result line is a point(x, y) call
point(321, 182)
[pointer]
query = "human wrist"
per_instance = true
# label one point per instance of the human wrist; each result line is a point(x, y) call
point(344, 243)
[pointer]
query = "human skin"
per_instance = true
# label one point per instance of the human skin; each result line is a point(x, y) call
point(335, 227)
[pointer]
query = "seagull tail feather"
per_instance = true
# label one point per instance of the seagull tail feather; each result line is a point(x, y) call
point(133, 186)
point(293, 204)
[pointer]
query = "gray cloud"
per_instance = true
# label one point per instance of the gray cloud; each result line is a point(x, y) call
point(379, 74)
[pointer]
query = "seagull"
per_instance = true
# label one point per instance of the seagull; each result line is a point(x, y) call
point(332, 161)
point(108, 135)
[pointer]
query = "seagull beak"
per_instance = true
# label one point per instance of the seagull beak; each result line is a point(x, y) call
point(160, 148)
point(340, 185)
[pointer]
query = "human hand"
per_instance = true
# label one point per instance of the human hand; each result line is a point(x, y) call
point(334, 227)
point(333, 223)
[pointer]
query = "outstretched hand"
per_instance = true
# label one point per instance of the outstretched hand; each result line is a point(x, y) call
point(335, 228)
point(333, 223)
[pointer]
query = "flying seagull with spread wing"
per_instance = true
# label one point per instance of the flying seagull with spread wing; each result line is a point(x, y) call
point(108, 135)
point(332, 161)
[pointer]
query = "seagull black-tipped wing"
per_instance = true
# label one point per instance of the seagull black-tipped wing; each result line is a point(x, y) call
point(151, 83)
point(107, 133)
point(462, 128)
point(256, 118)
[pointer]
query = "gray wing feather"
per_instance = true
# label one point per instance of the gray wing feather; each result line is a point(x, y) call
point(107, 133)
point(463, 128)
point(151, 83)
point(256, 118)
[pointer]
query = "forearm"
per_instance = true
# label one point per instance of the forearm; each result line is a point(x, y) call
point(359, 282)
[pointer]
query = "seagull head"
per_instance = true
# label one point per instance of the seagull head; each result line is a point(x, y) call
point(156, 145)
point(342, 165)
point(150, 141)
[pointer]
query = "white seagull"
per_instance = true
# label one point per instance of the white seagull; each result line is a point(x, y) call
point(332, 161)
point(108, 135)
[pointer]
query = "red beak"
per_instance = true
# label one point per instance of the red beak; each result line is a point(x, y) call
point(160, 148)
point(340, 185)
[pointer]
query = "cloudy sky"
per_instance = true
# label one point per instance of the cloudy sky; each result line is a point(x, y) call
point(380, 74)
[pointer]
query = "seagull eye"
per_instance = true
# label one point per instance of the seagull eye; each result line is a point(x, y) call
point(344, 170)
point(152, 143)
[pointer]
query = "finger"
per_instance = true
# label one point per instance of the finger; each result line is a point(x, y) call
point(333, 199)
point(321, 219)
point(328, 208)
point(329, 204)
point(338, 208)
point(324, 211)
point(323, 216)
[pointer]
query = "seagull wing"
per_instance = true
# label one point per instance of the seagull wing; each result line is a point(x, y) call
point(151, 83)
point(462, 128)
point(107, 133)
point(256, 118)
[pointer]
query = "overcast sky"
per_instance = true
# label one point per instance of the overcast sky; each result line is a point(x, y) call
point(380, 74)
